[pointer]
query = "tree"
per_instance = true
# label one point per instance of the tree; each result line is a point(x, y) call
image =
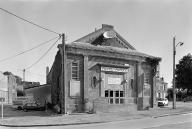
point(170, 93)
point(184, 74)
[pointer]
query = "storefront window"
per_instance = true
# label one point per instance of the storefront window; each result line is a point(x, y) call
point(106, 93)
point(121, 94)
point(111, 101)
point(111, 93)
point(117, 101)
point(116, 93)
point(115, 97)
point(121, 101)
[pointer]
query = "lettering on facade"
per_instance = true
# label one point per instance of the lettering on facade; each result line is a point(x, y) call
point(112, 69)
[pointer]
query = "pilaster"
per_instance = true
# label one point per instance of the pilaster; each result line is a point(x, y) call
point(86, 76)
point(140, 82)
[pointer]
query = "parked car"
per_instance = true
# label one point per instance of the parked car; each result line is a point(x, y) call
point(20, 101)
point(188, 98)
point(33, 106)
point(162, 102)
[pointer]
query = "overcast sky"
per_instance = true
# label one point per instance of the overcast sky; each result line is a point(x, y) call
point(148, 25)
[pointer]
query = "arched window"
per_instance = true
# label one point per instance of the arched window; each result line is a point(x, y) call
point(94, 81)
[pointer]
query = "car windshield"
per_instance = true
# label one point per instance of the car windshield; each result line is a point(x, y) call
point(160, 99)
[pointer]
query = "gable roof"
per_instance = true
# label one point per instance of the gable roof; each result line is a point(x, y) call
point(97, 35)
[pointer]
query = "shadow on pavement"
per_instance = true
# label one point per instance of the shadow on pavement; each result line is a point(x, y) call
point(8, 111)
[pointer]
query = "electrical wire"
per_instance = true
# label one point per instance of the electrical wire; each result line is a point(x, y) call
point(28, 21)
point(43, 54)
point(36, 74)
point(8, 58)
point(31, 72)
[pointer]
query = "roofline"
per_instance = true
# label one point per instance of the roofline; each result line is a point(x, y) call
point(88, 35)
point(96, 48)
point(125, 41)
point(103, 29)
point(78, 45)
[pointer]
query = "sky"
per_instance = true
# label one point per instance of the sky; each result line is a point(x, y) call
point(148, 25)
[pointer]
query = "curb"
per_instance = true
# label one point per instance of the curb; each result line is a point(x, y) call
point(171, 114)
point(53, 124)
point(96, 122)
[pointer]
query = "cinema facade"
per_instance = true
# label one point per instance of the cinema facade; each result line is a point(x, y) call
point(104, 73)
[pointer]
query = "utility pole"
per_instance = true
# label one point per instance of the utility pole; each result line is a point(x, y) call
point(174, 95)
point(63, 77)
point(23, 74)
point(174, 53)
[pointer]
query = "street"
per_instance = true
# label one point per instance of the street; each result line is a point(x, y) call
point(182, 121)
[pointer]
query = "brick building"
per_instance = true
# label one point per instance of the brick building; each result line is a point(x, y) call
point(104, 73)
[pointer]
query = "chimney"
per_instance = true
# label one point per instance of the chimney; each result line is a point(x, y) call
point(47, 72)
point(108, 27)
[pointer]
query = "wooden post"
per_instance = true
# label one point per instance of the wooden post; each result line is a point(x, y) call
point(23, 74)
point(2, 100)
point(2, 109)
point(174, 94)
point(63, 77)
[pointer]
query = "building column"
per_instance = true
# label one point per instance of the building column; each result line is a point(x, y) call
point(102, 85)
point(86, 80)
point(140, 82)
point(153, 95)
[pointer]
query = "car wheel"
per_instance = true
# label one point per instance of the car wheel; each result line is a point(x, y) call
point(25, 109)
point(19, 108)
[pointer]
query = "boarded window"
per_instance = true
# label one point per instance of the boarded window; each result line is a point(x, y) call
point(74, 88)
point(146, 77)
point(75, 71)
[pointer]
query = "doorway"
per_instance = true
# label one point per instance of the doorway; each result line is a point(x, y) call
point(114, 89)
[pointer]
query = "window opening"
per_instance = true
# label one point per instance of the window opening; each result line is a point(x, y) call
point(75, 70)
point(115, 97)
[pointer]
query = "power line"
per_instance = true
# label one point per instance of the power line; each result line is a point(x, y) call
point(28, 21)
point(43, 55)
point(31, 72)
point(8, 58)
point(36, 73)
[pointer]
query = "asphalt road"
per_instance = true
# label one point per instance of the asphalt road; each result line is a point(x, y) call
point(183, 121)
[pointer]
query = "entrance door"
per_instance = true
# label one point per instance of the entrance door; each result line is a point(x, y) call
point(114, 89)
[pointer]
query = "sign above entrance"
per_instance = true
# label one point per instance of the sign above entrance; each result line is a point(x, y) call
point(114, 81)
point(112, 69)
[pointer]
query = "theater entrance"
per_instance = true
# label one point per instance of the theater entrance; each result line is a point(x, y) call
point(114, 88)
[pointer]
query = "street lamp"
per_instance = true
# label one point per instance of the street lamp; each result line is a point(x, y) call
point(174, 53)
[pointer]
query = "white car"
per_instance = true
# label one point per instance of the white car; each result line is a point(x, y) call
point(162, 102)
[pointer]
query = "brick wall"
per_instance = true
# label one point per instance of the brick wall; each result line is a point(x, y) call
point(93, 98)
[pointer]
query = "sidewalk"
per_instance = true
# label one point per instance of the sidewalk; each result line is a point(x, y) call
point(74, 119)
